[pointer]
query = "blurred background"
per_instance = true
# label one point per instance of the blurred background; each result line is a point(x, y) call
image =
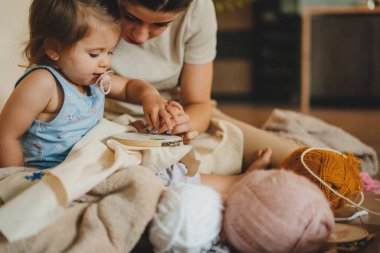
point(269, 49)
point(259, 52)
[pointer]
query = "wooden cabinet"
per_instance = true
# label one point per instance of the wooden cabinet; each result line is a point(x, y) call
point(260, 61)
point(325, 55)
point(276, 64)
point(233, 64)
point(340, 56)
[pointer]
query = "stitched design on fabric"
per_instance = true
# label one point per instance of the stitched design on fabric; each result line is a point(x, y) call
point(35, 176)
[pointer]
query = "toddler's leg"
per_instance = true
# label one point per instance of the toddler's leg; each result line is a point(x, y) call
point(220, 183)
point(223, 183)
point(261, 159)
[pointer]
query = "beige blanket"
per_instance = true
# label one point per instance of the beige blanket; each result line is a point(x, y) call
point(310, 131)
point(110, 218)
point(34, 201)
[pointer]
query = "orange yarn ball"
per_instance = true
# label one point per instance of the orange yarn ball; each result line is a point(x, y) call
point(340, 171)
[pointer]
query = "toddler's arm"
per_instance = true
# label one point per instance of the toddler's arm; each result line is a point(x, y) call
point(27, 101)
point(140, 92)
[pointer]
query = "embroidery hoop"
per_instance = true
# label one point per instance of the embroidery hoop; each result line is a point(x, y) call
point(148, 140)
point(344, 233)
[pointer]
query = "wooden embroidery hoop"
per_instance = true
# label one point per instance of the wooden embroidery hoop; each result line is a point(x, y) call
point(345, 233)
point(148, 140)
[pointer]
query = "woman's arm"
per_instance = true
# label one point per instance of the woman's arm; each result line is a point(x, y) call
point(196, 82)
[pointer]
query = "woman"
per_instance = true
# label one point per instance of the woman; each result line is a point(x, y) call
point(172, 44)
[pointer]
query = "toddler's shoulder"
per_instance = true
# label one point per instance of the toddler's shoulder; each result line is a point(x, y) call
point(40, 79)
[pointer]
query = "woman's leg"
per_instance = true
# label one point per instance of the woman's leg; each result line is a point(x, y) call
point(257, 139)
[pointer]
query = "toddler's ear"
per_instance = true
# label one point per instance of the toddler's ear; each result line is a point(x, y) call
point(52, 48)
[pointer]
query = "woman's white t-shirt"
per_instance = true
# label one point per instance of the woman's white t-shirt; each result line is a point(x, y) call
point(191, 38)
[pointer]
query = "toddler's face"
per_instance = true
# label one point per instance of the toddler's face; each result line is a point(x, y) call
point(91, 56)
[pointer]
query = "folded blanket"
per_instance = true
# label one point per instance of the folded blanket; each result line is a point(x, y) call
point(110, 218)
point(310, 131)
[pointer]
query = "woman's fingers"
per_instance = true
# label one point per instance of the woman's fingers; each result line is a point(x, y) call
point(175, 109)
point(189, 136)
point(175, 104)
point(174, 112)
point(166, 118)
point(182, 128)
point(180, 125)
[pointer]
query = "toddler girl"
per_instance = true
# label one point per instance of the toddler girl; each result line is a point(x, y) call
point(56, 101)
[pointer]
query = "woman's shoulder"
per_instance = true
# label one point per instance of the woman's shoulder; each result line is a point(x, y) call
point(201, 7)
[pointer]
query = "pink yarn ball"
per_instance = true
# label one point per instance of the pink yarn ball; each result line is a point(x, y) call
point(277, 211)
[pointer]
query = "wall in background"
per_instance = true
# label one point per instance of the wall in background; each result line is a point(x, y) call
point(13, 30)
point(233, 64)
point(308, 3)
point(296, 6)
point(345, 59)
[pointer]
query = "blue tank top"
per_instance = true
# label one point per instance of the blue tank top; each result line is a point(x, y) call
point(46, 144)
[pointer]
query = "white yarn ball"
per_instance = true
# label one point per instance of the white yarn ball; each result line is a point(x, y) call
point(188, 218)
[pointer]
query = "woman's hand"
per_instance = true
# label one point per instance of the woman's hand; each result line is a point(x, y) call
point(140, 126)
point(178, 119)
point(156, 113)
point(181, 123)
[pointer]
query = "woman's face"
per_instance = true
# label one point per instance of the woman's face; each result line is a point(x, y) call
point(139, 24)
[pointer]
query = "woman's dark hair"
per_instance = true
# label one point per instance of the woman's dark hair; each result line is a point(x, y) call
point(65, 21)
point(162, 5)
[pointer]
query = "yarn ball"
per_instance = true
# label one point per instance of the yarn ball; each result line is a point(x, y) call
point(188, 219)
point(340, 171)
point(276, 211)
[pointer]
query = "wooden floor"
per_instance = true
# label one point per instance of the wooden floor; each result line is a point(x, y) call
point(361, 123)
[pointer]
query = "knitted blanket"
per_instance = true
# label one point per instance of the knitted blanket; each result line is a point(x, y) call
point(310, 131)
point(109, 218)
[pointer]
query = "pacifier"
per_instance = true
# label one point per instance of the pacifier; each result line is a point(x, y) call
point(104, 80)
